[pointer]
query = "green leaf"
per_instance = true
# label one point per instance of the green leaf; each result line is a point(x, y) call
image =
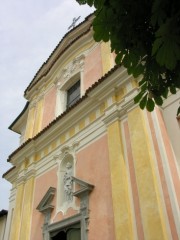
point(119, 58)
point(143, 102)
point(138, 97)
point(98, 3)
point(90, 2)
point(126, 61)
point(100, 33)
point(144, 87)
point(165, 93)
point(163, 29)
point(157, 43)
point(158, 13)
point(101, 26)
point(150, 105)
point(158, 100)
point(158, 17)
point(142, 82)
point(134, 58)
point(169, 52)
point(82, 2)
point(166, 55)
point(101, 36)
point(138, 70)
point(172, 90)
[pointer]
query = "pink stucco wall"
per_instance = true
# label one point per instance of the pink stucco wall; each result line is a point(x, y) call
point(42, 184)
point(93, 167)
point(93, 67)
point(49, 107)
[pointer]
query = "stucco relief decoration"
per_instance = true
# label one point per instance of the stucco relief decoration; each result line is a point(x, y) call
point(68, 183)
point(75, 66)
point(66, 160)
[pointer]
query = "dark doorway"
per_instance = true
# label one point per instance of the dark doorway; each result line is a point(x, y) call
point(70, 234)
point(60, 236)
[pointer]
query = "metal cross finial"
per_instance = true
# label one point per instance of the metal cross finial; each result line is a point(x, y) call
point(74, 22)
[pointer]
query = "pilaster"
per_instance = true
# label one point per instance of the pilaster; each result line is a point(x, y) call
point(120, 186)
point(147, 183)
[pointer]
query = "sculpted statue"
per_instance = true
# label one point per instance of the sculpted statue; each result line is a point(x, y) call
point(68, 183)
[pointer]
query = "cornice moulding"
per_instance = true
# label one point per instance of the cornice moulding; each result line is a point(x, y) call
point(128, 103)
point(115, 80)
point(65, 222)
point(85, 107)
point(24, 154)
point(11, 176)
point(94, 131)
point(118, 110)
point(111, 115)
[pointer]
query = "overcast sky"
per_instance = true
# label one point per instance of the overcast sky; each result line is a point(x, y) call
point(29, 31)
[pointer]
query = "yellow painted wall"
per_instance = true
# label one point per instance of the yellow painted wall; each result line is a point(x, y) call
point(106, 57)
point(147, 182)
point(30, 123)
point(34, 121)
point(16, 221)
point(119, 181)
point(27, 210)
point(38, 118)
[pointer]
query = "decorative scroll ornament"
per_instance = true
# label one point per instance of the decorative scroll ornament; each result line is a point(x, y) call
point(75, 66)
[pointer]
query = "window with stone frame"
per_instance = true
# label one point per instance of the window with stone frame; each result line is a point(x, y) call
point(74, 227)
point(73, 94)
point(69, 84)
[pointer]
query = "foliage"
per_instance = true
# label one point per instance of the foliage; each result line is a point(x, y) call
point(145, 35)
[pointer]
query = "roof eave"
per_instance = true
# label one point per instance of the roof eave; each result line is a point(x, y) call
point(14, 124)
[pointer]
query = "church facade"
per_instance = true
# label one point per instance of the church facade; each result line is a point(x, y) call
point(92, 165)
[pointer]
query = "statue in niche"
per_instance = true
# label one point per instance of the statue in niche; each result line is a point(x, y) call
point(68, 183)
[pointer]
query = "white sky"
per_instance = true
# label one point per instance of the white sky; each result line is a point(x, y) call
point(29, 31)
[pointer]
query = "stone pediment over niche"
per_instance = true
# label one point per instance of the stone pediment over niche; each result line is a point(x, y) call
point(45, 203)
point(84, 187)
point(83, 191)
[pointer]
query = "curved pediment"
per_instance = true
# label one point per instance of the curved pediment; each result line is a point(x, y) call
point(63, 46)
